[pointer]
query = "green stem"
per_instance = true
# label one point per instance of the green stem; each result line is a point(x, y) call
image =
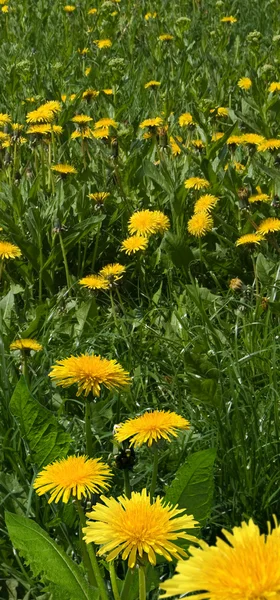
point(84, 550)
point(1, 268)
point(95, 247)
point(89, 444)
point(65, 263)
point(113, 578)
point(154, 475)
point(142, 583)
point(256, 280)
point(97, 573)
point(127, 488)
point(41, 268)
point(113, 308)
point(24, 366)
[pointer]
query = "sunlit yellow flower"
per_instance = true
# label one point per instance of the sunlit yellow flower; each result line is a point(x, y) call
point(269, 226)
point(235, 284)
point(161, 221)
point(151, 122)
point(87, 71)
point(217, 136)
point(274, 87)
point(133, 527)
point(83, 51)
point(134, 243)
point(243, 566)
point(82, 133)
point(259, 198)
point(146, 222)
point(249, 238)
point(75, 476)
point(271, 144)
point(8, 250)
point(89, 372)
point(4, 136)
point(101, 132)
point(26, 344)
point(108, 91)
point(90, 93)
point(45, 113)
point(113, 272)
point(230, 20)
point(151, 427)
point(92, 11)
point(4, 119)
point(69, 8)
point(245, 83)
point(221, 111)
point(64, 169)
point(166, 37)
point(185, 119)
point(175, 148)
point(235, 140)
point(57, 129)
point(198, 183)
point(152, 83)
point(81, 120)
point(199, 144)
point(103, 43)
point(99, 197)
point(42, 129)
point(150, 15)
point(200, 223)
point(236, 165)
point(252, 138)
point(94, 282)
point(5, 9)
point(205, 203)
point(106, 122)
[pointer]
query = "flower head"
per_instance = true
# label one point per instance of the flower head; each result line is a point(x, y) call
point(89, 372)
point(175, 148)
point(217, 135)
point(245, 566)
point(133, 527)
point(146, 222)
point(94, 282)
point(198, 183)
point(45, 113)
point(82, 119)
point(234, 140)
point(152, 84)
point(271, 144)
point(229, 19)
point(151, 427)
point(274, 87)
point(253, 139)
point(220, 111)
point(156, 122)
point(101, 132)
point(4, 119)
point(112, 272)
point(64, 169)
point(108, 91)
point(245, 83)
point(249, 238)
point(205, 203)
point(76, 476)
point(150, 15)
point(236, 284)
point(134, 244)
point(103, 43)
point(26, 344)
point(92, 11)
point(185, 119)
point(99, 197)
point(269, 226)
point(69, 8)
point(8, 250)
point(43, 129)
point(166, 37)
point(90, 93)
point(106, 122)
point(200, 223)
point(259, 198)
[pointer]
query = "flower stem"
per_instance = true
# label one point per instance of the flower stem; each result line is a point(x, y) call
point(114, 583)
point(154, 475)
point(89, 445)
point(142, 583)
point(97, 573)
point(1, 268)
point(65, 263)
point(24, 366)
point(84, 550)
point(127, 488)
point(96, 246)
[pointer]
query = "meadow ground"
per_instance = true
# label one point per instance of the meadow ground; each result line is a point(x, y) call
point(139, 272)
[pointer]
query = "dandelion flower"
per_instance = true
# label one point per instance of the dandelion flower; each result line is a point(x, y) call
point(151, 427)
point(269, 225)
point(87, 71)
point(106, 122)
point(42, 129)
point(5, 9)
point(205, 203)
point(101, 133)
point(134, 244)
point(244, 566)
point(82, 119)
point(234, 140)
point(245, 83)
point(89, 372)
point(198, 183)
point(90, 93)
point(249, 238)
point(274, 87)
point(221, 111)
point(26, 344)
point(162, 222)
point(92, 11)
point(146, 222)
point(217, 136)
point(185, 119)
point(94, 282)
point(57, 129)
point(76, 476)
point(64, 169)
point(200, 223)
point(113, 272)
point(103, 43)
point(199, 144)
point(4, 119)
point(259, 198)
point(99, 197)
point(229, 19)
point(45, 113)
point(156, 122)
point(69, 8)
point(152, 83)
point(235, 284)
point(133, 527)
point(166, 37)
point(175, 148)
point(271, 144)
point(8, 250)
point(108, 91)
point(150, 15)
point(252, 139)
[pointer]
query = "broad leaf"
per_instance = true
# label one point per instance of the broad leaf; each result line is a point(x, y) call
point(47, 440)
point(47, 559)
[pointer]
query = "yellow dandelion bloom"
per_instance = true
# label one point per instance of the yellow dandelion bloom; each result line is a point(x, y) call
point(83, 51)
point(234, 140)
point(175, 148)
point(166, 37)
point(252, 138)
point(102, 132)
point(221, 111)
point(235, 284)
point(69, 8)
point(269, 226)
point(274, 87)
point(229, 19)
point(42, 129)
point(217, 136)
point(185, 119)
point(103, 43)
point(162, 222)
point(76, 476)
point(152, 83)
point(94, 282)
point(259, 198)
point(151, 427)
point(17, 127)
point(150, 15)
point(133, 527)
point(113, 272)
point(249, 238)
point(198, 183)
point(134, 244)
point(64, 169)
point(87, 71)
point(82, 133)
point(26, 344)
point(99, 197)
point(235, 165)
point(90, 93)
point(5, 9)
point(200, 223)
point(3, 136)
point(156, 122)
point(45, 113)
point(245, 83)
point(89, 372)
point(271, 144)
point(8, 250)
point(57, 129)
point(81, 119)
point(4, 119)
point(142, 222)
point(92, 11)
point(108, 91)
point(198, 144)
point(244, 566)
point(205, 203)
point(106, 122)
